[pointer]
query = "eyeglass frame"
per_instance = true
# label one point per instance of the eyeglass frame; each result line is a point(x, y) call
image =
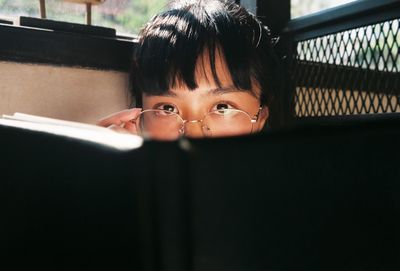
point(253, 119)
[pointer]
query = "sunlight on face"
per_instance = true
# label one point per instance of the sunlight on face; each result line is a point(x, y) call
point(208, 110)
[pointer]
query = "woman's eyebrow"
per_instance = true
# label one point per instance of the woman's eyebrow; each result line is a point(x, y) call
point(224, 90)
point(167, 93)
point(213, 91)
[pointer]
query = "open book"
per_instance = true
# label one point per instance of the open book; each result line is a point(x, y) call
point(325, 198)
point(72, 129)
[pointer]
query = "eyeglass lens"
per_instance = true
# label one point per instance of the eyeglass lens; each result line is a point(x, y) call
point(165, 125)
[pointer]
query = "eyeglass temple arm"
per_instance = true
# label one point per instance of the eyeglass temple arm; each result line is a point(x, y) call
point(256, 116)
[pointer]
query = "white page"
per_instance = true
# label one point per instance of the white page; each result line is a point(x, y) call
point(77, 130)
point(39, 119)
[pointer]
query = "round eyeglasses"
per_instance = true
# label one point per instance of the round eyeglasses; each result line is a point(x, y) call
point(166, 125)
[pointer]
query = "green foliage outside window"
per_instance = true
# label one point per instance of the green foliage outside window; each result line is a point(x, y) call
point(126, 16)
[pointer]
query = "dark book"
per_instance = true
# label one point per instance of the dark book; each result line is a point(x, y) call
point(308, 198)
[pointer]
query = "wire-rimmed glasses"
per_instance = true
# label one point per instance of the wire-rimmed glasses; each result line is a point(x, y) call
point(167, 125)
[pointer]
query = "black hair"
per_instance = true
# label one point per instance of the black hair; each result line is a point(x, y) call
point(171, 42)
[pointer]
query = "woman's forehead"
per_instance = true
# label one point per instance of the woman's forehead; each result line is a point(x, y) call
point(212, 77)
point(203, 71)
point(204, 76)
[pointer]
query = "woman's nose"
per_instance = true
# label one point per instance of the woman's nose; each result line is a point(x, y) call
point(194, 129)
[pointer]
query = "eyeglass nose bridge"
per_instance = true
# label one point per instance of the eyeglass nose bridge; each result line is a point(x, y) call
point(192, 121)
point(183, 128)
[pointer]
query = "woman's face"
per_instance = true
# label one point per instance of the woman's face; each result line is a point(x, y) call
point(193, 105)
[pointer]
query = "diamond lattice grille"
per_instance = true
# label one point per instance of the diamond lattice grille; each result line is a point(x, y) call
point(351, 72)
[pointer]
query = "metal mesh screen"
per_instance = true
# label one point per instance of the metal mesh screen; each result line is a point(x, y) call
point(351, 72)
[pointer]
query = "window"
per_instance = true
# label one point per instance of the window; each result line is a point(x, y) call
point(304, 7)
point(126, 16)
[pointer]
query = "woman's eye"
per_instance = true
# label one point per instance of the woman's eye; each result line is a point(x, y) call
point(168, 107)
point(221, 107)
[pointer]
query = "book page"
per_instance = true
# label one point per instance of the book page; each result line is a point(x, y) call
point(45, 120)
point(72, 129)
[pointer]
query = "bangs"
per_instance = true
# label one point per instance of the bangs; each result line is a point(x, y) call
point(173, 42)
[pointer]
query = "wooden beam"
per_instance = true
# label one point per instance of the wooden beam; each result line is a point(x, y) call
point(88, 13)
point(93, 2)
point(88, 4)
point(42, 4)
